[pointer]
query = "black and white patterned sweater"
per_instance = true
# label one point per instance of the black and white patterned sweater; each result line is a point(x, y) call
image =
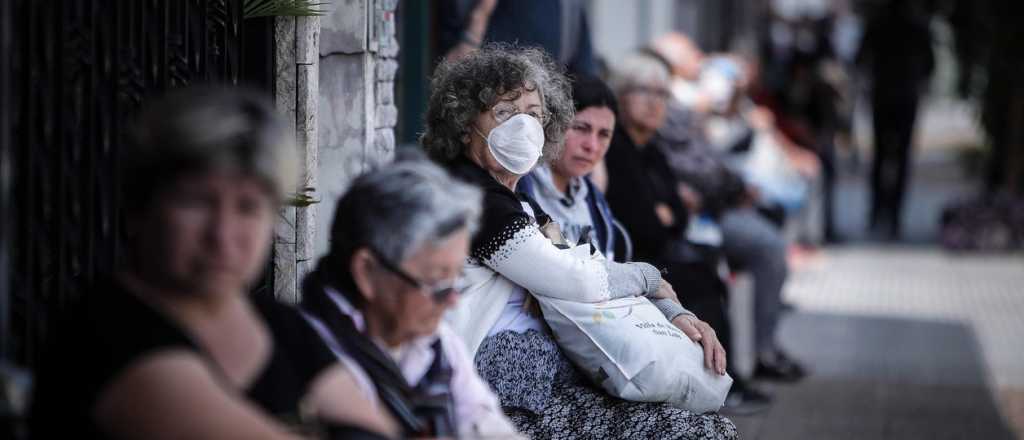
point(509, 253)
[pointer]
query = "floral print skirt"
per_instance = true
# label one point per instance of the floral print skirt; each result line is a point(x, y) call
point(547, 398)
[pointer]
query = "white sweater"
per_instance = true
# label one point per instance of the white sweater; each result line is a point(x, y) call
point(526, 260)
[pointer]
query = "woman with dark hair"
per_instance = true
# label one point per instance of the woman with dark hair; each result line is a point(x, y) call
point(565, 191)
point(173, 346)
point(564, 188)
point(491, 117)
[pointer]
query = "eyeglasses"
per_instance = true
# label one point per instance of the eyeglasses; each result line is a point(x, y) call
point(505, 110)
point(438, 291)
point(650, 92)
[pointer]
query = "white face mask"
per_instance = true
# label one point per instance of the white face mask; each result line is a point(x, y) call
point(517, 143)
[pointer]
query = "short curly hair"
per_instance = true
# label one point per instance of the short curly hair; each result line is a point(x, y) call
point(463, 88)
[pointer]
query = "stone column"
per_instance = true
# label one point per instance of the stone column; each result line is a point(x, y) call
point(358, 113)
point(335, 80)
point(384, 74)
point(297, 87)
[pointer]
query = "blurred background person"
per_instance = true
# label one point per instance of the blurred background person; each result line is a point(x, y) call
point(784, 175)
point(173, 346)
point(559, 27)
point(398, 242)
point(806, 83)
point(897, 54)
point(746, 238)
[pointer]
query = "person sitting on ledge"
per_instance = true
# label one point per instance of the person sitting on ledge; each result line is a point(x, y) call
point(173, 346)
point(399, 238)
point(490, 118)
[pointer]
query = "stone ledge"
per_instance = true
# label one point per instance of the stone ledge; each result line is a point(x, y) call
point(342, 31)
point(307, 40)
point(387, 115)
point(386, 70)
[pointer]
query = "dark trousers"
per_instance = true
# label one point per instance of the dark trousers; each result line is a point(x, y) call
point(893, 117)
point(827, 154)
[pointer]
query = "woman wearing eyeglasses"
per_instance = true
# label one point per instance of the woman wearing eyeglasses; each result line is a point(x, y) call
point(491, 118)
point(399, 239)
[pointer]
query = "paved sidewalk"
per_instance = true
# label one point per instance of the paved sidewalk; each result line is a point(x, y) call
point(904, 341)
point(983, 293)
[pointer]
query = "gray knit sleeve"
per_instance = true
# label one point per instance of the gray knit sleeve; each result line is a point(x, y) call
point(670, 309)
point(632, 279)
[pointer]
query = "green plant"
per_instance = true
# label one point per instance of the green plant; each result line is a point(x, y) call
point(303, 198)
point(290, 8)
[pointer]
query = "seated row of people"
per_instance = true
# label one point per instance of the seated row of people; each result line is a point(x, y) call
point(420, 320)
point(715, 141)
point(492, 116)
point(666, 185)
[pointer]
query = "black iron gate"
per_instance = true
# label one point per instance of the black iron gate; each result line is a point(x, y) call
point(79, 70)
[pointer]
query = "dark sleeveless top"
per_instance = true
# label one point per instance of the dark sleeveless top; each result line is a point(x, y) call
point(110, 329)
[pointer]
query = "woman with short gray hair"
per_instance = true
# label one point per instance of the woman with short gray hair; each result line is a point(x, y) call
point(398, 241)
point(491, 118)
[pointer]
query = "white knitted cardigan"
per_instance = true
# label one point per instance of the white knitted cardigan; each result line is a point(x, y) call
point(521, 258)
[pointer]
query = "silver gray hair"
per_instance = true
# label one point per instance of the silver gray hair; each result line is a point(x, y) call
point(208, 128)
point(638, 69)
point(397, 210)
point(464, 88)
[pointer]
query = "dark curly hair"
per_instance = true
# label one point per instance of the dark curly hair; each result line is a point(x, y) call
point(463, 88)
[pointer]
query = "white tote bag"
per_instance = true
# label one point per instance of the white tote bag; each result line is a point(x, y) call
point(631, 350)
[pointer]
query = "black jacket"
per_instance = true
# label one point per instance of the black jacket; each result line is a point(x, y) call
point(638, 179)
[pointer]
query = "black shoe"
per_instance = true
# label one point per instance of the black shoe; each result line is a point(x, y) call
point(745, 400)
point(834, 238)
point(787, 307)
point(779, 367)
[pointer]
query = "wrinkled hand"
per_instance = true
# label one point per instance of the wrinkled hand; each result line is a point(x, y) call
point(803, 161)
point(691, 198)
point(665, 214)
point(485, 7)
point(752, 196)
point(761, 118)
point(702, 333)
point(665, 291)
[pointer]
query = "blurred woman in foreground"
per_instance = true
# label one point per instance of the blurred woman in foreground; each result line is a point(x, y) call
point(173, 346)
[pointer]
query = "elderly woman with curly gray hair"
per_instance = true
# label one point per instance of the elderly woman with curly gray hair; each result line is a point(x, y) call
point(491, 118)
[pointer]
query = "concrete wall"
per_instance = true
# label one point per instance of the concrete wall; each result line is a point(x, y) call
point(335, 77)
point(620, 27)
point(297, 84)
point(357, 110)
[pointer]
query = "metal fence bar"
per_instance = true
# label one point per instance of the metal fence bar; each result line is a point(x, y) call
point(78, 70)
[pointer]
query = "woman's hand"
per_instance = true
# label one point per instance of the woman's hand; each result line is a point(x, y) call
point(665, 291)
point(665, 214)
point(700, 332)
point(761, 118)
point(805, 163)
point(476, 28)
point(691, 198)
point(484, 8)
